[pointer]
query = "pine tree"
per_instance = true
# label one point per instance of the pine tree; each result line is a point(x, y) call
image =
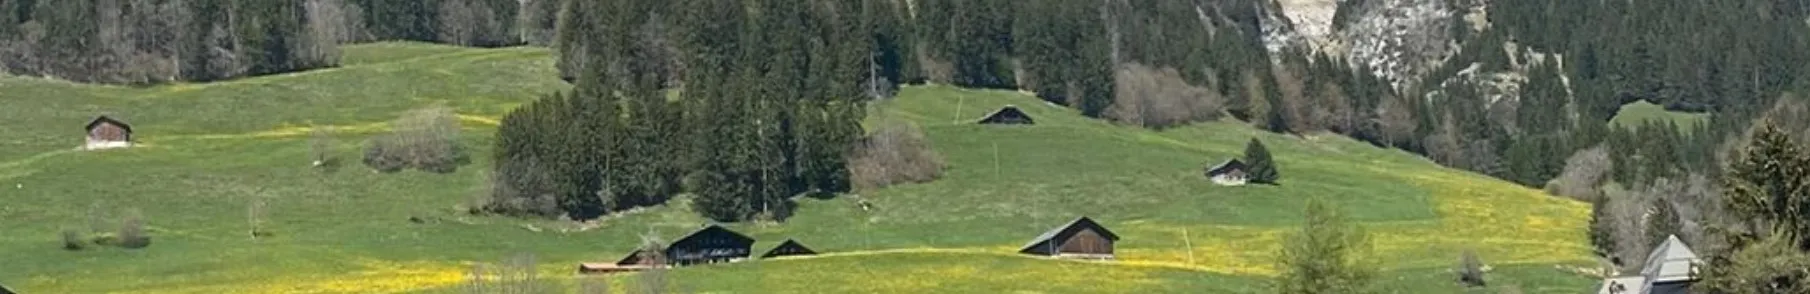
point(1663, 222)
point(1770, 184)
point(1262, 168)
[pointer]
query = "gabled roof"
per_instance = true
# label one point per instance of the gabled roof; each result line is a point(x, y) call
point(1672, 261)
point(713, 229)
point(1069, 229)
point(1224, 167)
point(632, 258)
point(788, 248)
point(1008, 115)
point(108, 120)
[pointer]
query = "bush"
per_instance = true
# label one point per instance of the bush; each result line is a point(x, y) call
point(1470, 269)
point(132, 232)
point(72, 240)
point(1160, 98)
point(424, 139)
point(895, 153)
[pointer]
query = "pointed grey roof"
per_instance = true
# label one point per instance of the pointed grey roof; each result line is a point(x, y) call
point(1672, 261)
point(1078, 222)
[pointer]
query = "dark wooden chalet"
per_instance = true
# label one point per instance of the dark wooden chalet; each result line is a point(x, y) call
point(788, 248)
point(4, 290)
point(1009, 115)
point(1080, 238)
point(711, 244)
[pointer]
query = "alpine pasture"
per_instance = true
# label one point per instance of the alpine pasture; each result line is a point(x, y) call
point(207, 151)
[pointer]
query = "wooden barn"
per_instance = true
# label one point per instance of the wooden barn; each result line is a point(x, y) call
point(1229, 173)
point(1080, 238)
point(788, 248)
point(105, 132)
point(1009, 115)
point(711, 244)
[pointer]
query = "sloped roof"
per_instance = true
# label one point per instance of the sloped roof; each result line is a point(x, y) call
point(714, 229)
point(632, 258)
point(1224, 167)
point(1008, 115)
point(1670, 262)
point(788, 248)
point(1071, 226)
point(108, 120)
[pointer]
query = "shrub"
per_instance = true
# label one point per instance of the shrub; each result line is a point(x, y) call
point(895, 153)
point(72, 240)
point(132, 232)
point(1160, 98)
point(1470, 269)
point(424, 139)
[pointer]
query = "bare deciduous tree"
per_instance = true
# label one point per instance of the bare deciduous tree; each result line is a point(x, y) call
point(132, 231)
point(1470, 269)
point(895, 153)
point(1160, 98)
point(326, 28)
point(254, 216)
point(1584, 172)
point(321, 148)
point(653, 280)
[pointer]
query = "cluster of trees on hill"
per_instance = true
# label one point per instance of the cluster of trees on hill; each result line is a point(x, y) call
point(157, 41)
point(1731, 59)
point(771, 105)
point(747, 103)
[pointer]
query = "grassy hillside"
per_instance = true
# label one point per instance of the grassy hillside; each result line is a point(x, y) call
point(210, 149)
point(1639, 112)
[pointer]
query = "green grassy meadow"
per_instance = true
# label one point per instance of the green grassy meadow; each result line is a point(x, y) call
point(209, 150)
point(1633, 114)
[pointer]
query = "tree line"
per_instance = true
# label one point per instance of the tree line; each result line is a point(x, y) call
point(770, 106)
point(160, 41)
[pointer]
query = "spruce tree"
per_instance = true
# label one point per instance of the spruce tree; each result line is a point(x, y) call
point(1261, 168)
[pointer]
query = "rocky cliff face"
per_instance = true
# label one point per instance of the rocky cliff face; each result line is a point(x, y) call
point(1399, 39)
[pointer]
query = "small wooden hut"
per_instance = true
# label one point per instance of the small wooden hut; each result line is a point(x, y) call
point(1080, 238)
point(788, 248)
point(104, 132)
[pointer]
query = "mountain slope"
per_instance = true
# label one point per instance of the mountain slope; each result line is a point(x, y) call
point(210, 149)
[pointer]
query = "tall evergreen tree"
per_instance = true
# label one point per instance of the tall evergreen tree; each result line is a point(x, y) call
point(1262, 168)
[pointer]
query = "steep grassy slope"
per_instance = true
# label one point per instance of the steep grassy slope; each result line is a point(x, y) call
point(209, 149)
